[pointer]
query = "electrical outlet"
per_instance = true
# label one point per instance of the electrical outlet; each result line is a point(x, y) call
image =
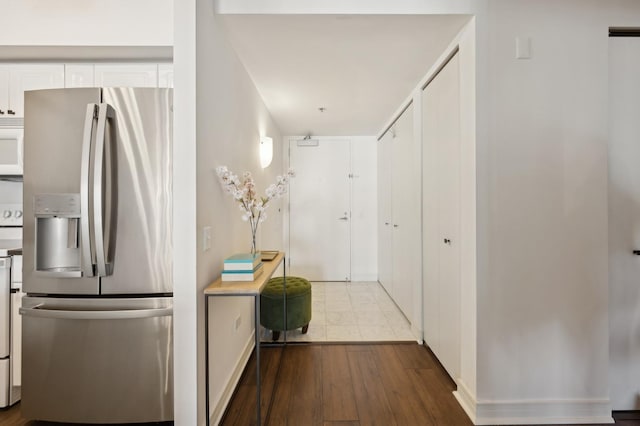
point(206, 238)
point(238, 322)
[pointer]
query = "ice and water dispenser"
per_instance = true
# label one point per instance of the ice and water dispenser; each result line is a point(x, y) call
point(57, 239)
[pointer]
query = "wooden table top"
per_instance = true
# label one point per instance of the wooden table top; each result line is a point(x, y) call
point(245, 288)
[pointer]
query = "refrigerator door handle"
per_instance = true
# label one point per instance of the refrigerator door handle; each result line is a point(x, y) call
point(87, 251)
point(41, 311)
point(105, 112)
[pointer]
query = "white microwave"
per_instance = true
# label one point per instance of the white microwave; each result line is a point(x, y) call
point(11, 149)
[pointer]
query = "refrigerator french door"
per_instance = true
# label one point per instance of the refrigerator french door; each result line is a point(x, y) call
point(97, 318)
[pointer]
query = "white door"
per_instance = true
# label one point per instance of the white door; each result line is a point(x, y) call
point(441, 215)
point(624, 222)
point(319, 214)
point(385, 219)
point(406, 212)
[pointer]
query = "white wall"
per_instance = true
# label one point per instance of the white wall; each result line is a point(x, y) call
point(543, 312)
point(188, 301)
point(543, 302)
point(231, 117)
point(87, 23)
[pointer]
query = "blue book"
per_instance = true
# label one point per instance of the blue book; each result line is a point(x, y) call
point(245, 262)
point(242, 275)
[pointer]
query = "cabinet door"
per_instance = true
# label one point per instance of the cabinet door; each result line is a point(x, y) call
point(4, 90)
point(385, 225)
point(31, 77)
point(165, 75)
point(126, 75)
point(79, 75)
point(406, 213)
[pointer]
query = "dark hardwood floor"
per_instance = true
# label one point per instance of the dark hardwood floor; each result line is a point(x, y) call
point(343, 385)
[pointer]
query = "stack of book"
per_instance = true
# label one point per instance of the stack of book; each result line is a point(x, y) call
point(242, 267)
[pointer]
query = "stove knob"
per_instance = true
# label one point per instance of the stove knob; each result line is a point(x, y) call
point(18, 214)
point(6, 214)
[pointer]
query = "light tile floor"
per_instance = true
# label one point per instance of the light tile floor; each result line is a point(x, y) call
point(351, 312)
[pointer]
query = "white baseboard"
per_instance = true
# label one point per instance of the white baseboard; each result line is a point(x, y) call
point(227, 393)
point(527, 412)
point(365, 277)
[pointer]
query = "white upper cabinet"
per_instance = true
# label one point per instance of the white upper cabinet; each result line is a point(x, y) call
point(165, 75)
point(15, 79)
point(131, 75)
point(4, 90)
point(79, 75)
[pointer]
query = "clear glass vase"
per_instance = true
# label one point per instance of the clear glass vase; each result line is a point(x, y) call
point(254, 250)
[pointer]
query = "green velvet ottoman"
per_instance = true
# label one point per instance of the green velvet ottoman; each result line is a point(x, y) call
point(298, 305)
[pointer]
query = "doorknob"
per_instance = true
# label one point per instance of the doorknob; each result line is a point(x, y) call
point(447, 241)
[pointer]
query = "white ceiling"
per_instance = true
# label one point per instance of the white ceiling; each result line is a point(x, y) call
point(359, 67)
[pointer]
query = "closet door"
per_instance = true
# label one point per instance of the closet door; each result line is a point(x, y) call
point(441, 215)
point(385, 225)
point(406, 213)
point(624, 222)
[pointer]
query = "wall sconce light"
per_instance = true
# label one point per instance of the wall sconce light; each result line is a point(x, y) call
point(266, 151)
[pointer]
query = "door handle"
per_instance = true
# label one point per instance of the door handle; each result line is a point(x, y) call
point(447, 241)
point(43, 312)
point(88, 255)
point(343, 218)
point(105, 112)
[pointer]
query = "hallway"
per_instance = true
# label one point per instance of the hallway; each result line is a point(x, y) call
point(351, 312)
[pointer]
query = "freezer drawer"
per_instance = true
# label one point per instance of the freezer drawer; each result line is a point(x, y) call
point(97, 361)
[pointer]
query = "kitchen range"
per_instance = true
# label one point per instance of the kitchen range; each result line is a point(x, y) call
point(97, 335)
point(10, 295)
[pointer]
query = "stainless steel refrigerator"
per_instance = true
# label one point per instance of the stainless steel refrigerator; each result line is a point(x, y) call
point(98, 315)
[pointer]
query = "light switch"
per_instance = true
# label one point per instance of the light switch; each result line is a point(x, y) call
point(206, 238)
point(523, 47)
